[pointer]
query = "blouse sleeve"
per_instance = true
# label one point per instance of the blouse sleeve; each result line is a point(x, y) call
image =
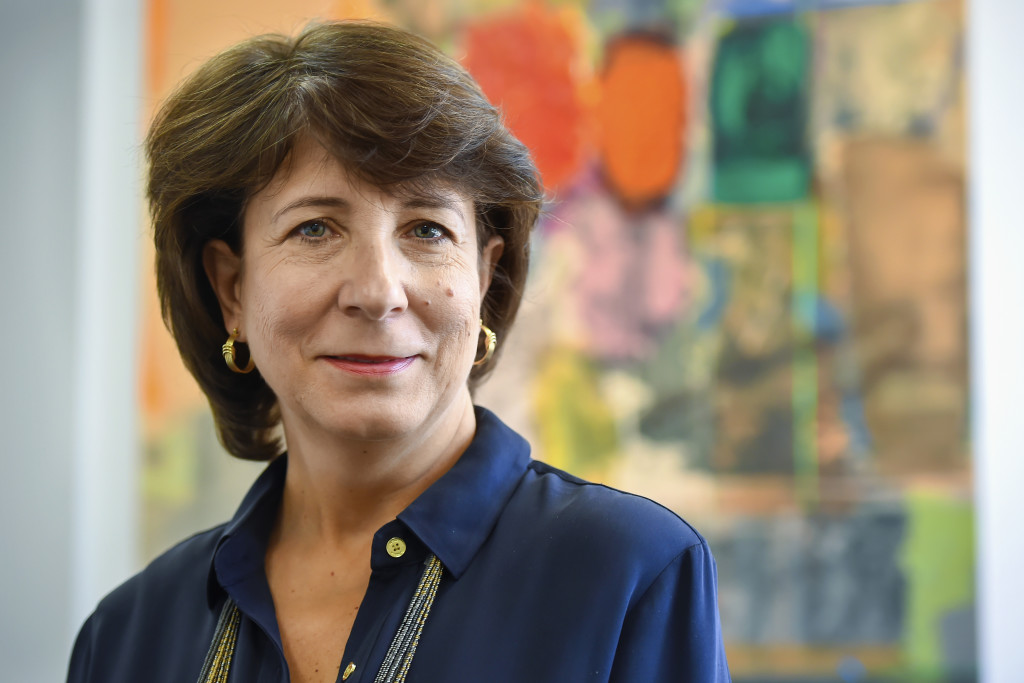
point(81, 655)
point(673, 632)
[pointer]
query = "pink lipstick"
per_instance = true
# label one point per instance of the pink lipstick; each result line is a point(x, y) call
point(375, 366)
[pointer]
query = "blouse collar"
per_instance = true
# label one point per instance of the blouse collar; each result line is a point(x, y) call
point(452, 518)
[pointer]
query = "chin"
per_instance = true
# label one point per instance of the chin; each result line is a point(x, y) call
point(386, 416)
point(381, 421)
point(377, 426)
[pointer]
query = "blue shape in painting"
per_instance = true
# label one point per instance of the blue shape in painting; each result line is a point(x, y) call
point(720, 283)
point(739, 9)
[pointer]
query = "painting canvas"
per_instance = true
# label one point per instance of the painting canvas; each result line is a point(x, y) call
point(747, 300)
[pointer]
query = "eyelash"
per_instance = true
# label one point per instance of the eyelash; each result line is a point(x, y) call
point(312, 240)
point(443, 233)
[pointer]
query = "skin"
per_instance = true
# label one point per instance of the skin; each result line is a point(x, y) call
point(361, 309)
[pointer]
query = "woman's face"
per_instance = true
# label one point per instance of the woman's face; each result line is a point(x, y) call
point(360, 308)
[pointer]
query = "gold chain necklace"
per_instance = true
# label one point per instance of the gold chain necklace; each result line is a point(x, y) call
point(396, 662)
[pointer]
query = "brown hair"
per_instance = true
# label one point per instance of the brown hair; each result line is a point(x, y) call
point(389, 105)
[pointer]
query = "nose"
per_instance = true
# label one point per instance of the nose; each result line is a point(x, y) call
point(373, 285)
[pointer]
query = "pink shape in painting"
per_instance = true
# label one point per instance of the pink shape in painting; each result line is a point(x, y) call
point(635, 281)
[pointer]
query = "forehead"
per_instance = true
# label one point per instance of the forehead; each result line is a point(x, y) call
point(310, 169)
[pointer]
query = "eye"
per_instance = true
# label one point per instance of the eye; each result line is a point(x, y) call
point(313, 229)
point(428, 231)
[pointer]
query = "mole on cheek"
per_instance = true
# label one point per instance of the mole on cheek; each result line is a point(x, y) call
point(450, 292)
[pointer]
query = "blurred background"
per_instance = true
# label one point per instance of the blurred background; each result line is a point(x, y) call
point(775, 288)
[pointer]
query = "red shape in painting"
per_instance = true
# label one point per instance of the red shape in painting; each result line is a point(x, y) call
point(525, 63)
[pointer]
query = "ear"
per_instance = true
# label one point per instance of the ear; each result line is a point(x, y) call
point(489, 257)
point(224, 269)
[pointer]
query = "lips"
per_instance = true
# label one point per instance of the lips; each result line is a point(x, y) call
point(377, 366)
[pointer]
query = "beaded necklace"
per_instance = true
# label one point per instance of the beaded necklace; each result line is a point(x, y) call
point(396, 662)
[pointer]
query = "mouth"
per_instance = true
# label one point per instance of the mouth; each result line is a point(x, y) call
point(371, 365)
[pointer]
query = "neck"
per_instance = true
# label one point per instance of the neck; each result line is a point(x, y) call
point(339, 491)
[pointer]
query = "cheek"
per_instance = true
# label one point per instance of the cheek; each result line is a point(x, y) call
point(457, 350)
point(456, 326)
point(455, 290)
point(277, 310)
point(455, 309)
point(470, 331)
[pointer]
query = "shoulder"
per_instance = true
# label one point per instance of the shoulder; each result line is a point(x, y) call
point(627, 519)
point(175, 582)
point(152, 620)
point(572, 524)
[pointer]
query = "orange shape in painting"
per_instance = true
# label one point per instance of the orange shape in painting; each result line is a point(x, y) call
point(526, 64)
point(642, 118)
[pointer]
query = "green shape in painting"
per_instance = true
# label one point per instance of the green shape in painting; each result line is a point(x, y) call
point(938, 559)
point(805, 360)
point(575, 426)
point(759, 113)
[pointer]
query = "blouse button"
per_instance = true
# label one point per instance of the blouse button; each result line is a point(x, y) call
point(395, 547)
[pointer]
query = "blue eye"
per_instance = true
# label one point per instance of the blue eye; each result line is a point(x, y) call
point(313, 229)
point(428, 231)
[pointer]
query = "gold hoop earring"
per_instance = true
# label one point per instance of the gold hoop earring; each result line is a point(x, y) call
point(228, 351)
point(492, 343)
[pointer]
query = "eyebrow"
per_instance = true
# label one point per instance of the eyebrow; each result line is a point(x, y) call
point(419, 202)
point(434, 202)
point(305, 202)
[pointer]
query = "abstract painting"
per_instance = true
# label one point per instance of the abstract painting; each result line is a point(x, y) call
point(747, 302)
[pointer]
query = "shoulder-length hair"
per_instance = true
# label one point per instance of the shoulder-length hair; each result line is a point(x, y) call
point(391, 107)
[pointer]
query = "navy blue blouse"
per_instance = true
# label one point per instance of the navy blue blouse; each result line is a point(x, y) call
point(547, 578)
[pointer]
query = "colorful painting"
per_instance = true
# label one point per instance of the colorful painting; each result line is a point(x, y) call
point(748, 299)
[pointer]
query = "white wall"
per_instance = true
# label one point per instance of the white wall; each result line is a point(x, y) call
point(39, 115)
point(111, 228)
point(996, 82)
point(68, 114)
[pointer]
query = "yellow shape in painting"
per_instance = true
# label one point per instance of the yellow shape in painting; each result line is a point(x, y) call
point(171, 473)
point(703, 225)
point(575, 426)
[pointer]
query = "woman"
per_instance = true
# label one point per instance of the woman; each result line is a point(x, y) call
point(348, 211)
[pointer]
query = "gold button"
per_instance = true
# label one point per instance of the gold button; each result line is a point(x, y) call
point(396, 547)
point(348, 671)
